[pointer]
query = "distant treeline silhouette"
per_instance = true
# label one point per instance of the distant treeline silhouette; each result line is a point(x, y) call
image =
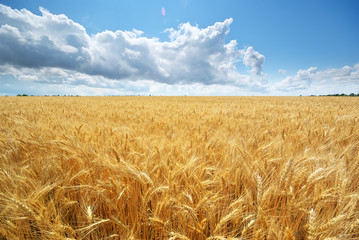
point(340, 95)
point(328, 95)
point(25, 95)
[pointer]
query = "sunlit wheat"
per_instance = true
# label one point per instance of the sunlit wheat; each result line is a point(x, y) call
point(179, 168)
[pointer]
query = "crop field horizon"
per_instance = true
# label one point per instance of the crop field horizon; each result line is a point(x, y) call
point(179, 168)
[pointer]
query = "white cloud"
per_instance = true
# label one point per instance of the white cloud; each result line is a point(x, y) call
point(253, 59)
point(54, 50)
point(345, 74)
point(29, 40)
point(282, 71)
point(312, 78)
point(193, 55)
point(302, 80)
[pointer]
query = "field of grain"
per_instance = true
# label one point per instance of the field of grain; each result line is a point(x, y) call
point(179, 168)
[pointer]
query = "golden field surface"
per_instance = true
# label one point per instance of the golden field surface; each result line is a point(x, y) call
point(179, 168)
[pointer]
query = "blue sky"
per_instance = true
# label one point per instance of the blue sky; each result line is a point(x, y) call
point(239, 47)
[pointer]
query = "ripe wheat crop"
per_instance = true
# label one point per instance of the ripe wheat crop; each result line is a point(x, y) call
point(179, 168)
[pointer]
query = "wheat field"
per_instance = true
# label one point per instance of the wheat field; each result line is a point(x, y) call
point(179, 168)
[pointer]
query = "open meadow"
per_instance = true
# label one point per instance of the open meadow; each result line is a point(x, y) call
point(179, 168)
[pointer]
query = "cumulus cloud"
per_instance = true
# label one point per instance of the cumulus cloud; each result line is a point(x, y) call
point(282, 71)
point(54, 50)
point(301, 80)
point(192, 55)
point(29, 40)
point(345, 74)
point(253, 59)
point(304, 79)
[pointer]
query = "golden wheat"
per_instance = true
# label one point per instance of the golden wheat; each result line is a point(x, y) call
point(179, 168)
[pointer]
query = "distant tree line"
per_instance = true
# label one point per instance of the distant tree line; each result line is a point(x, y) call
point(340, 95)
point(328, 95)
point(25, 95)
